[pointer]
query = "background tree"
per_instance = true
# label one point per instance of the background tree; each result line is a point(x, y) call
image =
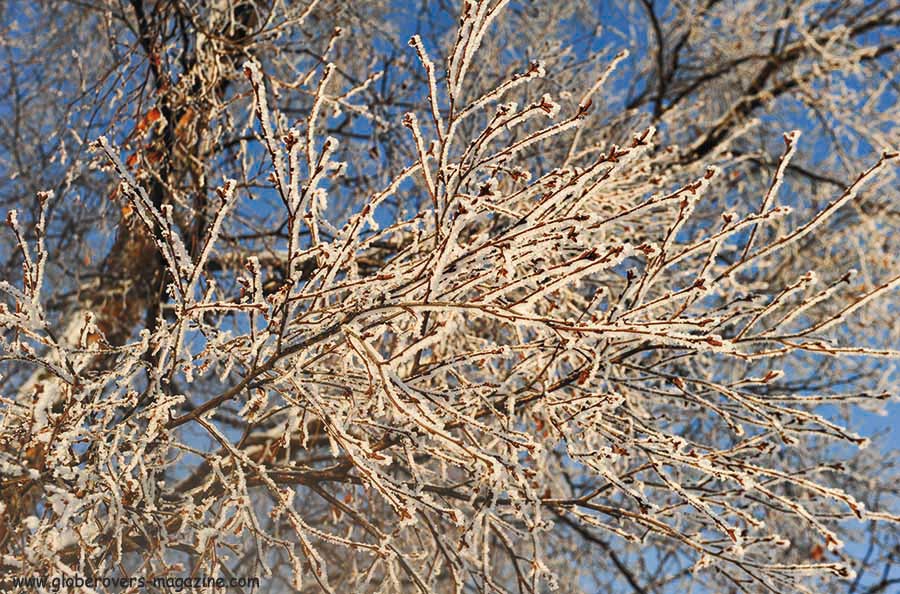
point(395, 296)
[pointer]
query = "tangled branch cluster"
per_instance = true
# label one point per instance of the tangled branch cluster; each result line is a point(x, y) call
point(452, 396)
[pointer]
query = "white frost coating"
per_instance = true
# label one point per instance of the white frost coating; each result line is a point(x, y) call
point(549, 106)
point(820, 217)
point(312, 119)
point(31, 522)
point(428, 65)
point(399, 368)
point(790, 139)
point(169, 243)
point(587, 97)
point(43, 403)
point(251, 69)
